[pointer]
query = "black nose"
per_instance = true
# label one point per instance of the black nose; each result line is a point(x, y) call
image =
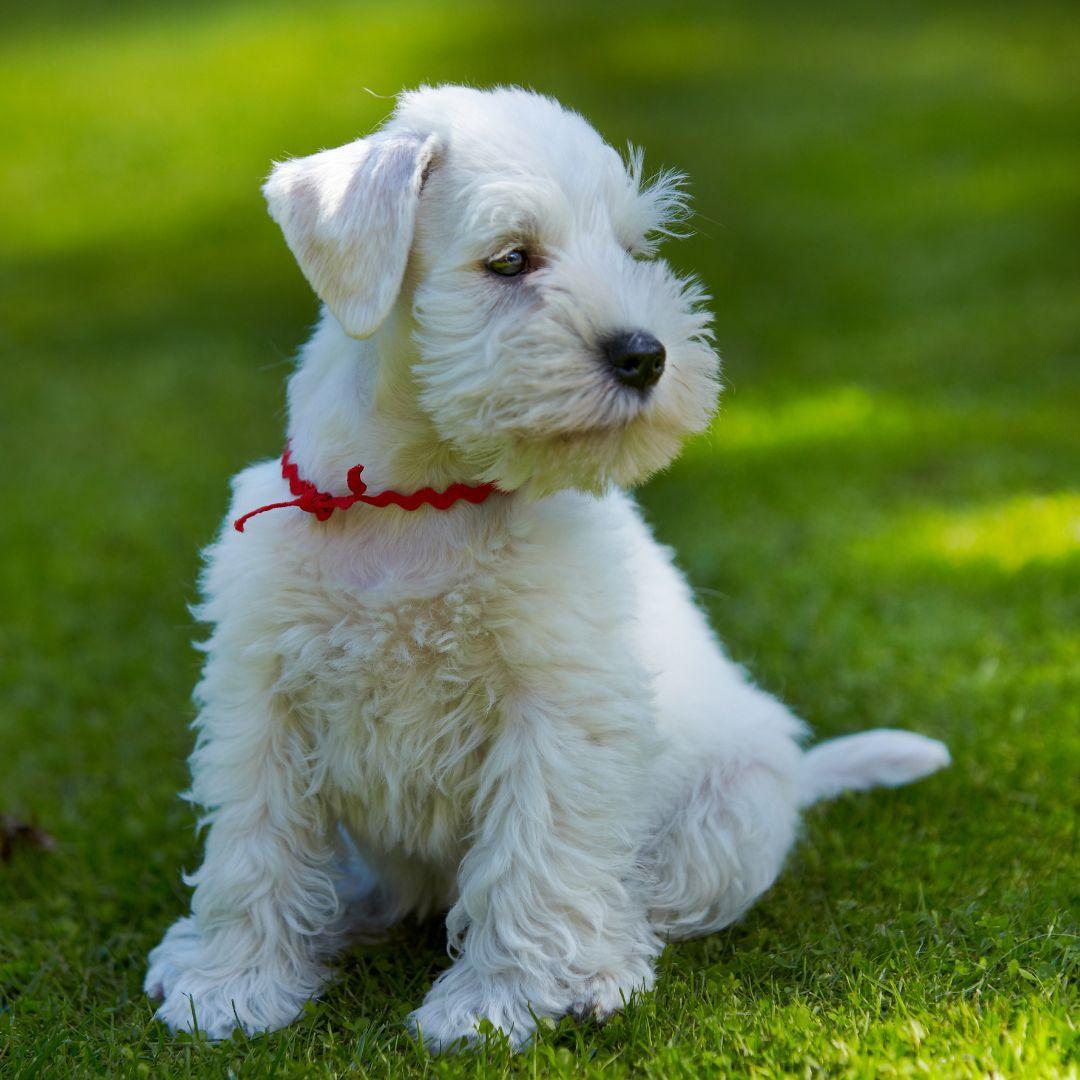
point(637, 359)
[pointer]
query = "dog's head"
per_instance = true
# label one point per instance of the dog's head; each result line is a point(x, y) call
point(548, 344)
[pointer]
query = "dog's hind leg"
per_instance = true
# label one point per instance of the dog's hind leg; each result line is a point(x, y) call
point(738, 784)
point(729, 773)
point(729, 823)
point(734, 775)
point(723, 840)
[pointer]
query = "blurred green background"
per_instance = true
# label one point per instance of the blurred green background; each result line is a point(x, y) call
point(883, 523)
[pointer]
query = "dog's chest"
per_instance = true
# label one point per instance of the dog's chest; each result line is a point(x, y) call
point(399, 667)
point(398, 701)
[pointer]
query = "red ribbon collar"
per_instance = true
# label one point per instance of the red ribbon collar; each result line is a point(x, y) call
point(322, 504)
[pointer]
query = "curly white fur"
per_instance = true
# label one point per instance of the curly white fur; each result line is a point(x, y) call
point(513, 712)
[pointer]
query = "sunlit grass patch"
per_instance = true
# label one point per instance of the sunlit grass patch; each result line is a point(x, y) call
point(825, 416)
point(1007, 535)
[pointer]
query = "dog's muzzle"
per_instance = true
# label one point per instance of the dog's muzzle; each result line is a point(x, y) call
point(636, 359)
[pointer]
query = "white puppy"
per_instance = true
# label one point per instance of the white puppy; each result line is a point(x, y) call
point(510, 704)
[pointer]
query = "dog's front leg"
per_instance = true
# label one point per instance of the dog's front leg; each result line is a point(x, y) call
point(550, 917)
point(249, 954)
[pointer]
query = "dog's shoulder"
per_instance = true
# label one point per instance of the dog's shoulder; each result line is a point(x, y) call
point(234, 563)
point(257, 485)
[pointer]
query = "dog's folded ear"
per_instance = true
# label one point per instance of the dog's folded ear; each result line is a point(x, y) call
point(348, 216)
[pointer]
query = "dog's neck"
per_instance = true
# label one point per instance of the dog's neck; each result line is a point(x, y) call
point(354, 403)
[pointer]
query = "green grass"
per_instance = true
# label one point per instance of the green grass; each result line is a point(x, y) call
point(884, 521)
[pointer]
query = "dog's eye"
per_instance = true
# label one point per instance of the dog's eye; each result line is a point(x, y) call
point(510, 263)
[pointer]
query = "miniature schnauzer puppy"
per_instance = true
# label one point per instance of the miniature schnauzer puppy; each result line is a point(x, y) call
point(469, 680)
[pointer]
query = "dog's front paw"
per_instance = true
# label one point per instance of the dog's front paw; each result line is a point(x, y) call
point(179, 950)
point(454, 1012)
point(211, 1010)
point(603, 995)
point(216, 1009)
point(199, 994)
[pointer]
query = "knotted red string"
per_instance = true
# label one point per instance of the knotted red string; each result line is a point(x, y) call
point(322, 504)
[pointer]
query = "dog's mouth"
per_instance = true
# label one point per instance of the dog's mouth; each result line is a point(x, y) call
point(610, 411)
point(625, 415)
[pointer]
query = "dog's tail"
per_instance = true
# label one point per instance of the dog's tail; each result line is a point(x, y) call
point(881, 758)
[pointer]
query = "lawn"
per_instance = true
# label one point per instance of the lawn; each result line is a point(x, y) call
point(883, 522)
